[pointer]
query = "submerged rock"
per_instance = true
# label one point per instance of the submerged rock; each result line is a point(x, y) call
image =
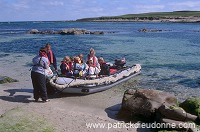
point(33, 31)
point(72, 31)
point(5, 79)
point(151, 30)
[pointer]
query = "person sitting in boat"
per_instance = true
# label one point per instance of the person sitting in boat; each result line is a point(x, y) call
point(79, 67)
point(81, 57)
point(72, 59)
point(92, 72)
point(93, 58)
point(105, 69)
point(83, 65)
point(66, 66)
point(51, 57)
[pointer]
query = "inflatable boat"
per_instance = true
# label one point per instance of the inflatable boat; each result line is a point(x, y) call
point(88, 86)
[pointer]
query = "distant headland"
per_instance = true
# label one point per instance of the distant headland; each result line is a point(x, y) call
point(176, 16)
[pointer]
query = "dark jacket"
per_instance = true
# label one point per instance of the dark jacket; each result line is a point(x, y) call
point(105, 69)
point(63, 68)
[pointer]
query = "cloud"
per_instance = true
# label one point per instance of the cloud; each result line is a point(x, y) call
point(16, 10)
point(186, 4)
point(121, 8)
point(56, 3)
point(148, 8)
point(23, 4)
point(156, 0)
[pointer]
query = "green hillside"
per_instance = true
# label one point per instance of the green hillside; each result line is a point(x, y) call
point(150, 16)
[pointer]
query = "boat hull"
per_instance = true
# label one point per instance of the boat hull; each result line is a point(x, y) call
point(88, 89)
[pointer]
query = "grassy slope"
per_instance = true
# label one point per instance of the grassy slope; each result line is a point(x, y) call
point(153, 14)
point(164, 14)
point(18, 120)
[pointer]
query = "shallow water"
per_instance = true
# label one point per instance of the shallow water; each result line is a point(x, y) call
point(169, 59)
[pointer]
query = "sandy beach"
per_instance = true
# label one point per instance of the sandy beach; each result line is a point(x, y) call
point(64, 112)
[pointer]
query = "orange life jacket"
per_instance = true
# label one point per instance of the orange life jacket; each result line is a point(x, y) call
point(51, 56)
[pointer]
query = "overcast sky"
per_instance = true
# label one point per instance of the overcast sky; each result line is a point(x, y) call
point(50, 10)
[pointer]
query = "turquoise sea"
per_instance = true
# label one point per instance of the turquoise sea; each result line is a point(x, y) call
point(170, 59)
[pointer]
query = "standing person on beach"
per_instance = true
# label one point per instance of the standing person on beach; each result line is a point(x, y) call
point(40, 63)
point(51, 57)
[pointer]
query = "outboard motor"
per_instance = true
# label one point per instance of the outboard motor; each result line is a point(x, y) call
point(120, 63)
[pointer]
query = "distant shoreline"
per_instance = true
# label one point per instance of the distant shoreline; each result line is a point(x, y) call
point(165, 20)
point(190, 19)
point(176, 16)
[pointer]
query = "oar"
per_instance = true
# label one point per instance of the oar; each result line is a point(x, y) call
point(60, 91)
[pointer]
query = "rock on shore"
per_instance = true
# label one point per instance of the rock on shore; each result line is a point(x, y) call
point(145, 102)
point(5, 79)
point(153, 105)
point(72, 31)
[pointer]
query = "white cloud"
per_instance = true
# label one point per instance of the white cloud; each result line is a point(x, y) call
point(148, 8)
point(50, 3)
point(121, 8)
point(156, 0)
point(76, 9)
point(23, 4)
point(56, 3)
point(186, 4)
